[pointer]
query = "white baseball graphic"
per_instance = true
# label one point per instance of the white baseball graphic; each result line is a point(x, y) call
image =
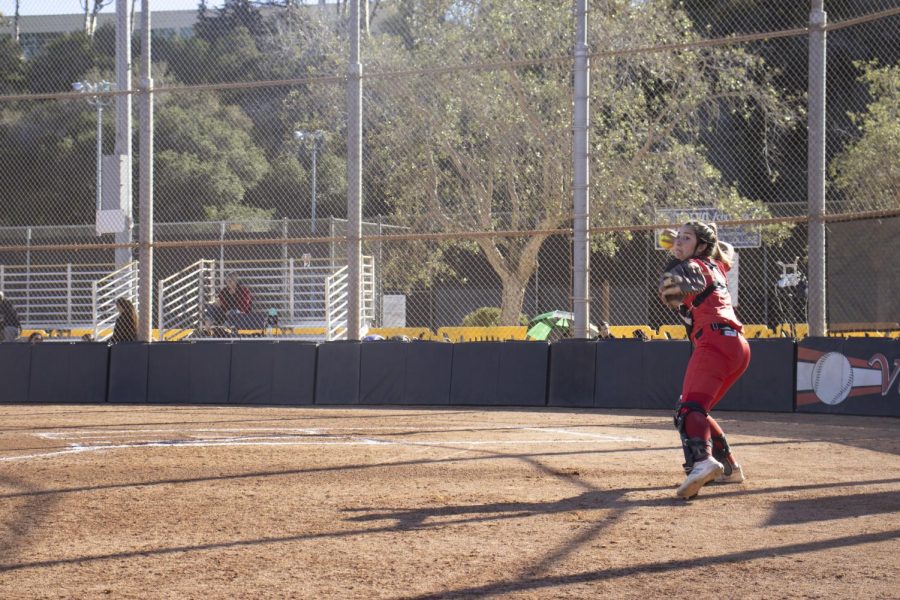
point(832, 378)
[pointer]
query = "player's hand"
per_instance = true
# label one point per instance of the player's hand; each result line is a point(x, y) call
point(670, 292)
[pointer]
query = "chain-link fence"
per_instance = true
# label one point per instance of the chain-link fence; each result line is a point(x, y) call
point(695, 108)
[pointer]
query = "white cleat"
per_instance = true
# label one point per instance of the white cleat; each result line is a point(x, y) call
point(736, 475)
point(702, 473)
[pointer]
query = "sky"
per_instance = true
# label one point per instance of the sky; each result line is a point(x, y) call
point(58, 7)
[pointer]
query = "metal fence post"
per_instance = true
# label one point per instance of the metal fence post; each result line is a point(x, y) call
point(123, 124)
point(328, 309)
point(291, 289)
point(221, 250)
point(94, 308)
point(581, 201)
point(159, 319)
point(378, 317)
point(354, 177)
point(69, 294)
point(145, 252)
point(816, 169)
point(331, 249)
point(28, 275)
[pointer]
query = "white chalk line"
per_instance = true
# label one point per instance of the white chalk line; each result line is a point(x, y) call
point(596, 436)
point(286, 437)
point(302, 430)
point(55, 435)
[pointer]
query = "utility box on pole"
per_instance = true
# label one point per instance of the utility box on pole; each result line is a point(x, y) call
point(115, 195)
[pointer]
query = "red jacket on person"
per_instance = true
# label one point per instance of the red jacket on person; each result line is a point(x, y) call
point(239, 300)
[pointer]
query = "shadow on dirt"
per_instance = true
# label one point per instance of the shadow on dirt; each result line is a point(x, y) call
point(808, 510)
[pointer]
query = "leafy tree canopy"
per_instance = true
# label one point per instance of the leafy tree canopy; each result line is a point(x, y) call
point(490, 149)
point(204, 158)
point(867, 171)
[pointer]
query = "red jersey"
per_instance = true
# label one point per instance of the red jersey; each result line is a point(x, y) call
point(716, 307)
point(239, 300)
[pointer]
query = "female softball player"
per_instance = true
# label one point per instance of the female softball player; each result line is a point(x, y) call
point(694, 285)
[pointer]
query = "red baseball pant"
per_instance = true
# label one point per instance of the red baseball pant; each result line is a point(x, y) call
point(717, 362)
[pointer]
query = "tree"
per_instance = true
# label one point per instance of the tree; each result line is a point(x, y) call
point(64, 60)
point(233, 14)
point(91, 9)
point(780, 171)
point(48, 174)
point(864, 171)
point(205, 158)
point(488, 149)
point(12, 67)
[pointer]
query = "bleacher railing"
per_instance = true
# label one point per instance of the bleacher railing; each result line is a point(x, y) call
point(337, 304)
point(293, 287)
point(56, 296)
point(122, 282)
point(304, 293)
point(182, 297)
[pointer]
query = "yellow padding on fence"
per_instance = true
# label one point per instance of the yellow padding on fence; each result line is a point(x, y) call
point(752, 330)
point(672, 332)
point(483, 334)
point(74, 335)
point(794, 330)
point(849, 334)
point(413, 333)
point(627, 331)
point(173, 335)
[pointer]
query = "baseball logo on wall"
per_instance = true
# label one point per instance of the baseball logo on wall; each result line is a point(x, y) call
point(831, 377)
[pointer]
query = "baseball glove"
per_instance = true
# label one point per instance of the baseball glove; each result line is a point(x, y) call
point(670, 292)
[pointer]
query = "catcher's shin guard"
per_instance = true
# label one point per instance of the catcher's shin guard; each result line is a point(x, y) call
point(722, 453)
point(695, 449)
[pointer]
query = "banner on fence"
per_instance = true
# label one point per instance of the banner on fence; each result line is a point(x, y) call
point(739, 236)
point(848, 376)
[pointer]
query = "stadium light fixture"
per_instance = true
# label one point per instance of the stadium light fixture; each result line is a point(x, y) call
point(315, 139)
point(95, 95)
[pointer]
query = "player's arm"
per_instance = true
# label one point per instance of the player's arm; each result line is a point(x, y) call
point(681, 279)
point(687, 276)
point(727, 251)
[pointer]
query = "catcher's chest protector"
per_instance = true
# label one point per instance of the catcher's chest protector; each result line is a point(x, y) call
point(713, 304)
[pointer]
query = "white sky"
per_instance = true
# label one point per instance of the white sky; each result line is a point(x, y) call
point(58, 7)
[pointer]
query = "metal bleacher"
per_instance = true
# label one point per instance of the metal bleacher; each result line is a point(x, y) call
point(305, 295)
point(308, 296)
point(53, 297)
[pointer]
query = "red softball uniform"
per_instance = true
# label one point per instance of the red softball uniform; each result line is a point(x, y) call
point(721, 354)
point(716, 307)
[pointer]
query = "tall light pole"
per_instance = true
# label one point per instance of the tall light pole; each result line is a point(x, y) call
point(92, 92)
point(316, 139)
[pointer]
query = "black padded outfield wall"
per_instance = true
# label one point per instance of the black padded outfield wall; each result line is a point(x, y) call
point(15, 372)
point(337, 373)
point(639, 374)
point(572, 373)
point(428, 371)
point(405, 373)
point(189, 372)
point(500, 373)
point(267, 372)
point(68, 372)
point(768, 383)
point(128, 370)
point(853, 376)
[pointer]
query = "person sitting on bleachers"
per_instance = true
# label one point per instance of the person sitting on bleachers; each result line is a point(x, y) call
point(234, 299)
point(125, 329)
point(10, 327)
point(603, 332)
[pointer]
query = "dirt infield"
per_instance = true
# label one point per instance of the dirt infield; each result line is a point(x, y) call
point(226, 502)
